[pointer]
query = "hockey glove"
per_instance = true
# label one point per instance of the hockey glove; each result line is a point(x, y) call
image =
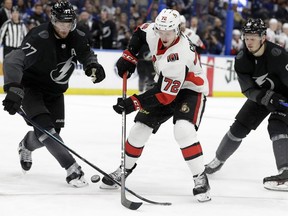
point(126, 63)
point(96, 72)
point(13, 99)
point(273, 101)
point(128, 105)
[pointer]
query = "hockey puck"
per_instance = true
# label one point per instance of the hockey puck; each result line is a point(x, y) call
point(95, 178)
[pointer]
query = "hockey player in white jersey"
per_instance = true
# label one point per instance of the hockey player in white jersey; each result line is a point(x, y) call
point(195, 39)
point(180, 92)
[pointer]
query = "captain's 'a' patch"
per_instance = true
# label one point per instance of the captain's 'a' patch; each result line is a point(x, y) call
point(172, 57)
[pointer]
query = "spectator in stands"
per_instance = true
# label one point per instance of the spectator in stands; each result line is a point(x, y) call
point(107, 34)
point(5, 12)
point(284, 34)
point(237, 43)
point(123, 38)
point(38, 14)
point(212, 44)
point(218, 30)
point(23, 8)
point(195, 39)
point(271, 36)
point(84, 24)
point(78, 3)
point(238, 19)
point(282, 12)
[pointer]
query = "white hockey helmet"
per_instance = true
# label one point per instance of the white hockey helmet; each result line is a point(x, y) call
point(183, 19)
point(167, 20)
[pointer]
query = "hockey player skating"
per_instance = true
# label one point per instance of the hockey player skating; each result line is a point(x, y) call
point(195, 39)
point(180, 92)
point(262, 69)
point(36, 75)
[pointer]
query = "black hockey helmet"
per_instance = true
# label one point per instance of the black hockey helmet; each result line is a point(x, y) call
point(254, 26)
point(63, 11)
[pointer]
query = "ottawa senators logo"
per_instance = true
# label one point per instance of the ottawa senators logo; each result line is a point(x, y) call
point(172, 57)
point(184, 108)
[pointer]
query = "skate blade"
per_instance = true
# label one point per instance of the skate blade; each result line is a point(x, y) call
point(276, 186)
point(203, 197)
point(109, 187)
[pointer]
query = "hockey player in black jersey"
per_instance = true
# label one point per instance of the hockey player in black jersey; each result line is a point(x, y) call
point(262, 69)
point(36, 75)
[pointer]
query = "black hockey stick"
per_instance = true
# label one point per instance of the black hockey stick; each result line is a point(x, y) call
point(60, 142)
point(217, 67)
point(127, 203)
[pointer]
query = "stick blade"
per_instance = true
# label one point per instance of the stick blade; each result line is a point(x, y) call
point(131, 205)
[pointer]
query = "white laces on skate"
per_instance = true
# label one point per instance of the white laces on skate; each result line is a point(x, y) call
point(79, 182)
point(24, 154)
point(75, 176)
point(201, 188)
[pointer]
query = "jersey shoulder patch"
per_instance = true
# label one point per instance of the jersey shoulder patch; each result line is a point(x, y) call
point(44, 34)
point(81, 33)
point(275, 51)
point(240, 54)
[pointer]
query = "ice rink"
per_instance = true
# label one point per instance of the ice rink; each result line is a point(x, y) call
point(93, 130)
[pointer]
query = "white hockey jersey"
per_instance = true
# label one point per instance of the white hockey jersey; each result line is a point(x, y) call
point(179, 64)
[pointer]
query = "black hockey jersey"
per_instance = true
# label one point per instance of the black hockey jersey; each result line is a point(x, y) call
point(268, 71)
point(45, 62)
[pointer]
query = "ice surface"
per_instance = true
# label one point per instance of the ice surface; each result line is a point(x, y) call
point(93, 130)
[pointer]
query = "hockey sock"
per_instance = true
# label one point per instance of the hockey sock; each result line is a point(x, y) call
point(186, 137)
point(228, 146)
point(138, 136)
point(31, 142)
point(280, 148)
point(61, 154)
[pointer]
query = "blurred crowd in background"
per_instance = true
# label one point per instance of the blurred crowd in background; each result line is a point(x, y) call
point(109, 24)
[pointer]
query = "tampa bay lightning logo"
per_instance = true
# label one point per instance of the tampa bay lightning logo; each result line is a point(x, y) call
point(63, 71)
point(264, 81)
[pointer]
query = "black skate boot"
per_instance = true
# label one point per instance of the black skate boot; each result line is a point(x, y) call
point(278, 182)
point(213, 166)
point(201, 188)
point(25, 157)
point(116, 175)
point(75, 176)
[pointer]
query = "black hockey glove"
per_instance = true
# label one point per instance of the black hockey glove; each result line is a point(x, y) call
point(96, 72)
point(273, 101)
point(13, 99)
point(129, 105)
point(126, 63)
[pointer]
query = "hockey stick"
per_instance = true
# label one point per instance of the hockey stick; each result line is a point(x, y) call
point(60, 142)
point(127, 203)
point(221, 68)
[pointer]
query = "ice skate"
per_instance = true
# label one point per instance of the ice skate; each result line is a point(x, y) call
point(278, 182)
point(214, 166)
point(116, 175)
point(25, 157)
point(75, 176)
point(202, 188)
